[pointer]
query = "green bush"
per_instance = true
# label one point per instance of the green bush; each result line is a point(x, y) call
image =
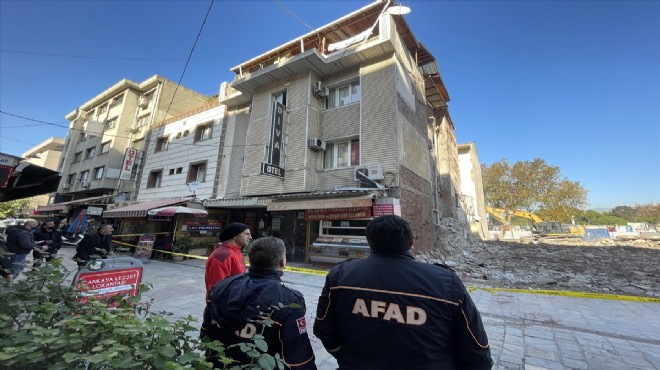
point(44, 324)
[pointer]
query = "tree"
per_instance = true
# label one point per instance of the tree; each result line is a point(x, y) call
point(534, 187)
point(626, 212)
point(648, 212)
point(13, 207)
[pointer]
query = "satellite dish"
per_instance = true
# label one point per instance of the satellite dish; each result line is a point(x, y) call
point(192, 186)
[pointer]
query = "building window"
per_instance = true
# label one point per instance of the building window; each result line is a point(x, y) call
point(84, 176)
point(98, 173)
point(146, 99)
point(197, 172)
point(83, 136)
point(117, 100)
point(70, 179)
point(161, 144)
point(77, 157)
point(154, 179)
point(203, 132)
point(342, 154)
point(172, 171)
point(141, 121)
point(281, 98)
point(186, 133)
point(105, 147)
point(102, 109)
point(343, 95)
point(112, 123)
point(179, 170)
point(345, 228)
point(90, 114)
point(90, 152)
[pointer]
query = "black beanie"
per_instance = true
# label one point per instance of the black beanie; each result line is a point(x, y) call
point(231, 230)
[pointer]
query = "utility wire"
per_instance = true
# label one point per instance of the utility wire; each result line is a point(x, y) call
point(293, 15)
point(201, 28)
point(122, 137)
point(87, 56)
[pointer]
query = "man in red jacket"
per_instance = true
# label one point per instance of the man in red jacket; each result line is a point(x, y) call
point(227, 259)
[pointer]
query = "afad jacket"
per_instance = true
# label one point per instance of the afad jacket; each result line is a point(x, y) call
point(237, 308)
point(389, 311)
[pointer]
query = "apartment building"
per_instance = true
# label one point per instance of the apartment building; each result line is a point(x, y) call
point(335, 127)
point(105, 142)
point(46, 154)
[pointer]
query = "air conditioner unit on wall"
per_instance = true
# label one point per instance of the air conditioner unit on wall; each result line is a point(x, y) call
point(65, 186)
point(320, 90)
point(143, 102)
point(371, 171)
point(84, 184)
point(316, 144)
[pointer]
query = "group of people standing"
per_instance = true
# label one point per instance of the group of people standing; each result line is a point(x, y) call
point(386, 311)
point(21, 240)
point(44, 242)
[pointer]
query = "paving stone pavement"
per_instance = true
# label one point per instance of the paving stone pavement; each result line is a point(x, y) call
point(526, 331)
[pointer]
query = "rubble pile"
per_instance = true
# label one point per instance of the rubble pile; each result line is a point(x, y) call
point(627, 267)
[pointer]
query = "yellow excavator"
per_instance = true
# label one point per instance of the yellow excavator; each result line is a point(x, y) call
point(539, 227)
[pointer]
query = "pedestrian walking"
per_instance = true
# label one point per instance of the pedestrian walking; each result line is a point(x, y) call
point(227, 260)
point(388, 311)
point(257, 302)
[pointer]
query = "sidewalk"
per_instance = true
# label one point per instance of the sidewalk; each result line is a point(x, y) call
point(526, 331)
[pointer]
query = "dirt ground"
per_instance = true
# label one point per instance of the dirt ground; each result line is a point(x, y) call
point(628, 267)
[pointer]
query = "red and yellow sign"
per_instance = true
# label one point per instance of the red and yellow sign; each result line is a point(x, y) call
point(332, 214)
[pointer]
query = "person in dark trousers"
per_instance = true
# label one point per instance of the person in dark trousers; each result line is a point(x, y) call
point(227, 260)
point(50, 236)
point(238, 306)
point(20, 242)
point(388, 311)
point(96, 244)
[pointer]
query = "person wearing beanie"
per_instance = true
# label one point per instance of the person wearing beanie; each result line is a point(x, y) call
point(227, 259)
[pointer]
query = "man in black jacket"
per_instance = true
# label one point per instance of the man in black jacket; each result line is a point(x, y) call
point(389, 311)
point(20, 242)
point(47, 235)
point(238, 306)
point(97, 244)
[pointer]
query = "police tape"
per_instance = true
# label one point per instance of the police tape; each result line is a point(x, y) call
point(470, 288)
point(567, 293)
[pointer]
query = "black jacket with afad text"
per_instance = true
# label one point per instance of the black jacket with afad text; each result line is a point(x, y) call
point(237, 308)
point(389, 311)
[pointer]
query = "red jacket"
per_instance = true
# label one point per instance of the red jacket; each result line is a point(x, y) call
point(226, 260)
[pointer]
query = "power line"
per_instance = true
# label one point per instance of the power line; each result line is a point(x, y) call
point(119, 136)
point(88, 56)
point(201, 28)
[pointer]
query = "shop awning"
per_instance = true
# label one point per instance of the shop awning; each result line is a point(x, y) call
point(141, 209)
point(236, 202)
point(21, 179)
point(321, 203)
point(52, 207)
point(84, 201)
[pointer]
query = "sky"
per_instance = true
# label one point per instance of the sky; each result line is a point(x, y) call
point(576, 83)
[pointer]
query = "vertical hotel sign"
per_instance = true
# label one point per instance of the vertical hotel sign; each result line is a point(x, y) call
point(127, 165)
point(272, 167)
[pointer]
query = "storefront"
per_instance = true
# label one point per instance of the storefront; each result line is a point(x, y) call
point(325, 227)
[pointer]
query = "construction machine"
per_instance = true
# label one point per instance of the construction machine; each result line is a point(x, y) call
point(540, 228)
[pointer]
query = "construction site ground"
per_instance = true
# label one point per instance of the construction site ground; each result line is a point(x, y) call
point(625, 267)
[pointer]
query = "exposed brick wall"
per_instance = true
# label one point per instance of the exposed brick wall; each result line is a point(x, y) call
point(417, 207)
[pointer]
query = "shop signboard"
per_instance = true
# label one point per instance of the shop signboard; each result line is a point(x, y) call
point(94, 211)
point(127, 166)
point(272, 167)
point(386, 209)
point(144, 247)
point(107, 278)
point(331, 214)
